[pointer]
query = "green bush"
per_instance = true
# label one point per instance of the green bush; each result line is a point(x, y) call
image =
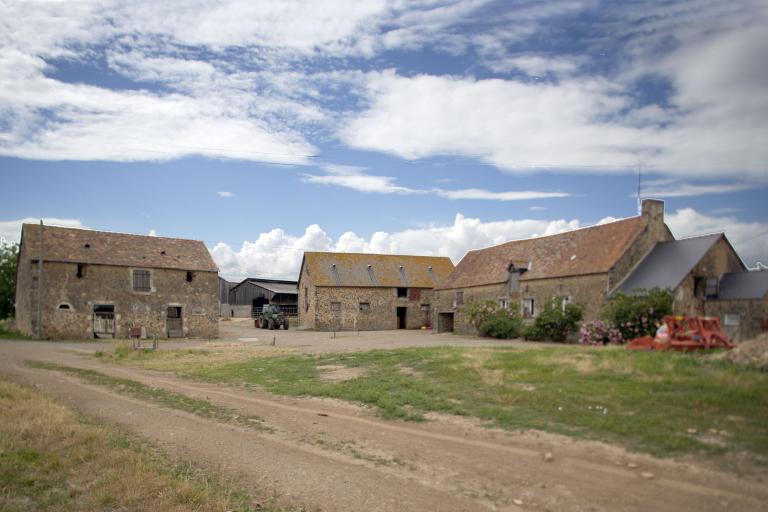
point(638, 315)
point(491, 320)
point(501, 324)
point(555, 322)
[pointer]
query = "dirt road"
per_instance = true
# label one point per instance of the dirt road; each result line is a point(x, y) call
point(329, 455)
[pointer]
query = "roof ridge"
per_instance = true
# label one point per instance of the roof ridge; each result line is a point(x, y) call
point(376, 254)
point(615, 221)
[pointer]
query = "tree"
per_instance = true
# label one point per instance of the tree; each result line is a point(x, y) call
point(8, 258)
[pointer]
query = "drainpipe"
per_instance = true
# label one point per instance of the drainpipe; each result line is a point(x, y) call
point(39, 329)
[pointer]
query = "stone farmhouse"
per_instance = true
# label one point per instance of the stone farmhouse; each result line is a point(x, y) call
point(78, 283)
point(588, 266)
point(581, 266)
point(344, 291)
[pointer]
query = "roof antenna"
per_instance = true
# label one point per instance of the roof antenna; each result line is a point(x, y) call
point(640, 165)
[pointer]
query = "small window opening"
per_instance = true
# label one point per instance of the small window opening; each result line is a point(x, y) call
point(503, 303)
point(365, 307)
point(65, 307)
point(87, 246)
point(162, 252)
point(190, 276)
point(402, 292)
point(529, 308)
point(80, 270)
point(459, 298)
point(710, 288)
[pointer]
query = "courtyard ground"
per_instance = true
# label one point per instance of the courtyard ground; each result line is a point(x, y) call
point(325, 453)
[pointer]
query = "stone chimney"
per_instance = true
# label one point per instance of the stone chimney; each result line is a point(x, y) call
point(653, 212)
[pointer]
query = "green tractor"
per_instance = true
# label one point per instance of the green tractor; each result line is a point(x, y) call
point(271, 318)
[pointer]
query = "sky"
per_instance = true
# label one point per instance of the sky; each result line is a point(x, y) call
point(417, 127)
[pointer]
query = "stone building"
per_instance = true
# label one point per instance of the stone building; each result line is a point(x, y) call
point(77, 283)
point(707, 278)
point(343, 291)
point(581, 266)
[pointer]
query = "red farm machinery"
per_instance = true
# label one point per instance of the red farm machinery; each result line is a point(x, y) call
point(685, 333)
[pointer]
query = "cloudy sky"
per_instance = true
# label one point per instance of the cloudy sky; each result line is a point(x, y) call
point(414, 126)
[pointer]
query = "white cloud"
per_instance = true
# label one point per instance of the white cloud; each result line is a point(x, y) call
point(672, 188)
point(225, 194)
point(152, 232)
point(750, 239)
point(10, 230)
point(279, 254)
point(355, 178)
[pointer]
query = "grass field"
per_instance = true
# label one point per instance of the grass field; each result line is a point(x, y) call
point(659, 403)
point(50, 459)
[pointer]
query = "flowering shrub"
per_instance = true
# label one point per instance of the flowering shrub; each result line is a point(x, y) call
point(491, 320)
point(555, 321)
point(599, 332)
point(638, 315)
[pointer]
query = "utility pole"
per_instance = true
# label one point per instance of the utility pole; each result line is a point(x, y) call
point(39, 330)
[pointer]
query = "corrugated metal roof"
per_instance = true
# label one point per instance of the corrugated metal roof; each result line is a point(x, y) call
point(667, 264)
point(583, 251)
point(376, 270)
point(274, 286)
point(743, 285)
point(104, 248)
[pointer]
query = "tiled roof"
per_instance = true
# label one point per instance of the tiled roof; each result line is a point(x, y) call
point(583, 251)
point(376, 270)
point(667, 264)
point(100, 247)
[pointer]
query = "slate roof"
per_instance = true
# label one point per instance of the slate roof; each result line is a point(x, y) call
point(100, 247)
point(667, 264)
point(591, 250)
point(376, 270)
point(743, 285)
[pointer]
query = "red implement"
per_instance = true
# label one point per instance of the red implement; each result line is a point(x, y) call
point(686, 333)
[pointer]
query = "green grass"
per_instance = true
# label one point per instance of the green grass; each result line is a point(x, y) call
point(53, 459)
point(645, 401)
point(6, 333)
point(160, 396)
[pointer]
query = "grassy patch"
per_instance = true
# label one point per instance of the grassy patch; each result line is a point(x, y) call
point(160, 396)
point(659, 403)
point(52, 460)
point(8, 333)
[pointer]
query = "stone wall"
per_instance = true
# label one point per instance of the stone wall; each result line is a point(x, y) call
point(307, 301)
point(338, 308)
point(741, 319)
point(587, 291)
point(68, 301)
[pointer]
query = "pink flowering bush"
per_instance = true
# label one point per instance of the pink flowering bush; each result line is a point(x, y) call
point(599, 332)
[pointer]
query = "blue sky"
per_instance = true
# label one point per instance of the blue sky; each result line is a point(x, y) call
point(428, 127)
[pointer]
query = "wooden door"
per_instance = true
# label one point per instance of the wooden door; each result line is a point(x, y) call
point(174, 323)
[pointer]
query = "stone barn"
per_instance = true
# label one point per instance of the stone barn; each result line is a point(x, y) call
point(78, 283)
point(344, 291)
point(580, 266)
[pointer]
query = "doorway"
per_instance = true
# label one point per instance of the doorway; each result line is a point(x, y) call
point(257, 305)
point(445, 322)
point(401, 313)
point(103, 321)
point(174, 323)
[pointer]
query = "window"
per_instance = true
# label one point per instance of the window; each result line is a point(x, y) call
point(306, 299)
point(425, 308)
point(365, 307)
point(65, 307)
point(336, 306)
point(414, 293)
point(503, 303)
point(142, 281)
point(565, 301)
point(710, 288)
point(190, 276)
point(402, 292)
point(529, 309)
point(459, 298)
point(35, 282)
point(80, 270)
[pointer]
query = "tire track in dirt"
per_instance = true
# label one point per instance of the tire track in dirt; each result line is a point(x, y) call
point(472, 468)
